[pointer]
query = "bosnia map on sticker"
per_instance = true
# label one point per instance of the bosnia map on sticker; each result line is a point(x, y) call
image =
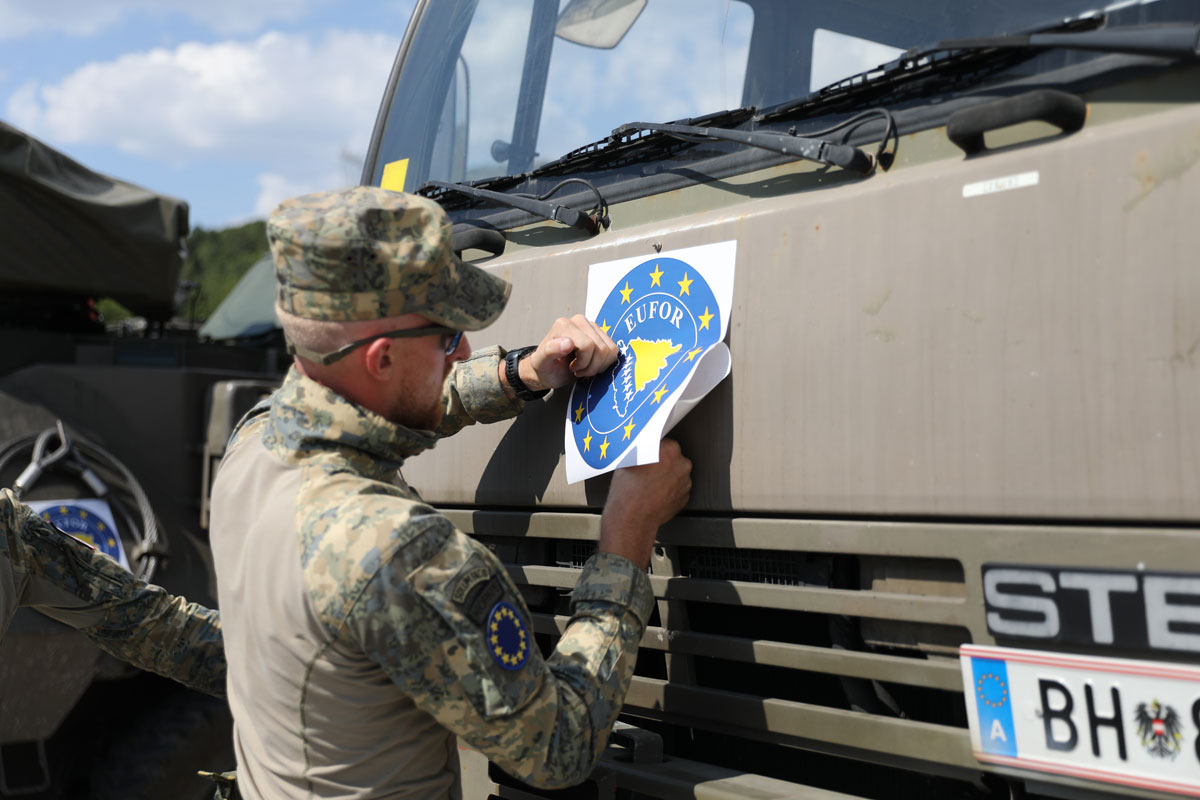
point(668, 315)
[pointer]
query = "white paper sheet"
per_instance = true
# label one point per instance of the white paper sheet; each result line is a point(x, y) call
point(669, 315)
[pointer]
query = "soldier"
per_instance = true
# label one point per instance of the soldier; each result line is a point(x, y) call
point(363, 630)
point(71, 582)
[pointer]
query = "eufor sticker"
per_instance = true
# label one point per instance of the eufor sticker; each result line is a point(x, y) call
point(661, 315)
point(87, 520)
point(668, 315)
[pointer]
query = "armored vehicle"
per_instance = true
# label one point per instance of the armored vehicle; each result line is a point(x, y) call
point(104, 431)
point(944, 539)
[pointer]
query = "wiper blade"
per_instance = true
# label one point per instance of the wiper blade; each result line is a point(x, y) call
point(809, 147)
point(838, 155)
point(610, 151)
point(1170, 41)
point(588, 221)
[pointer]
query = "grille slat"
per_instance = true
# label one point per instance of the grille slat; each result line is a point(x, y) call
point(802, 724)
point(943, 675)
point(850, 602)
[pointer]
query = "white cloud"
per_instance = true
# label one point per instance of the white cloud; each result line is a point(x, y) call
point(288, 105)
point(18, 19)
point(86, 17)
point(274, 188)
point(23, 105)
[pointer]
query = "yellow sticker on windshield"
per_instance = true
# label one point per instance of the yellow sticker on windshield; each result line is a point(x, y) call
point(394, 175)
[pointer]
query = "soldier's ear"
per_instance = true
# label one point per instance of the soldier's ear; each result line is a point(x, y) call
point(379, 360)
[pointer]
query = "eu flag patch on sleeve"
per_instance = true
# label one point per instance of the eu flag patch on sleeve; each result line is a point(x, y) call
point(507, 636)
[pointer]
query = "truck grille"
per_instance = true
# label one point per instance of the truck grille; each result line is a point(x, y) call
point(824, 653)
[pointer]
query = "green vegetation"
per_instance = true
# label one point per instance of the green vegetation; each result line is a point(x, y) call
point(111, 310)
point(216, 261)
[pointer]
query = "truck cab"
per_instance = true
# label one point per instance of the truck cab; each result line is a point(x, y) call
point(943, 534)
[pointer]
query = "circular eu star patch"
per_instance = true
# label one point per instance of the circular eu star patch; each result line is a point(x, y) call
point(662, 315)
point(507, 636)
point(81, 524)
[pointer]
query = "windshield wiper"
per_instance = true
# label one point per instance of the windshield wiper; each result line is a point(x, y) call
point(589, 221)
point(1168, 41)
point(610, 151)
point(809, 147)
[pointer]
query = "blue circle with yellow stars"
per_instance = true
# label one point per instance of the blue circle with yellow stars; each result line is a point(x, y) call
point(662, 315)
point(992, 690)
point(85, 525)
point(508, 638)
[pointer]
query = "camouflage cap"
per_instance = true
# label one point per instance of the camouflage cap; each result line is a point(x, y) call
point(369, 253)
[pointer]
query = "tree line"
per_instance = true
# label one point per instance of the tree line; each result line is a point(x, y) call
point(216, 261)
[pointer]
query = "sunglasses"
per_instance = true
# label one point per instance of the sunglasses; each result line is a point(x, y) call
point(453, 338)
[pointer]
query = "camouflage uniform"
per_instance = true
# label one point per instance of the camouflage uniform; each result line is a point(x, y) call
point(69, 581)
point(364, 631)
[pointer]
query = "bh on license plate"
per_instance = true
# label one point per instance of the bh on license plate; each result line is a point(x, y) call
point(1133, 723)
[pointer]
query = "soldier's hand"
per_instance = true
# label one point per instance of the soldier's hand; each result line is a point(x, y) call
point(574, 348)
point(641, 500)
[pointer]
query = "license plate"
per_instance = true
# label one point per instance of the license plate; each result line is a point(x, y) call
point(1133, 723)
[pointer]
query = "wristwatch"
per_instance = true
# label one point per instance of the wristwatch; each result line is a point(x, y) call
point(514, 377)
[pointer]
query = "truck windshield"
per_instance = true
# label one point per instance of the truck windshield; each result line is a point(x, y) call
point(489, 88)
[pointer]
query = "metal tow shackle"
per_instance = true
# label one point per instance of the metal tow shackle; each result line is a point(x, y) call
point(42, 460)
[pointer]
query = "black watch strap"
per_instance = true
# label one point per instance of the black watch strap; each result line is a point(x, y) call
point(513, 376)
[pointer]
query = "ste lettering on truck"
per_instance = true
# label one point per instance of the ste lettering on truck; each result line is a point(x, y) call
point(943, 535)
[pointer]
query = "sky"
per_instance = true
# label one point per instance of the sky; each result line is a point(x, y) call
point(231, 105)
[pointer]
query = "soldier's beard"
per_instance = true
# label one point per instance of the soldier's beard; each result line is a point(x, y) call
point(421, 413)
point(418, 417)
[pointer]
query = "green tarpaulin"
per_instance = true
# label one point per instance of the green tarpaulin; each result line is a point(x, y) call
point(66, 229)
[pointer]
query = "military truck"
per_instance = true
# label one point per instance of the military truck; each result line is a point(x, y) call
point(954, 473)
point(103, 430)
point(942, 540)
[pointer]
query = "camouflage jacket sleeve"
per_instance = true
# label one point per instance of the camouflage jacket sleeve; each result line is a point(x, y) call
point(473, 393)
point(446, 622)
point(127, 618)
